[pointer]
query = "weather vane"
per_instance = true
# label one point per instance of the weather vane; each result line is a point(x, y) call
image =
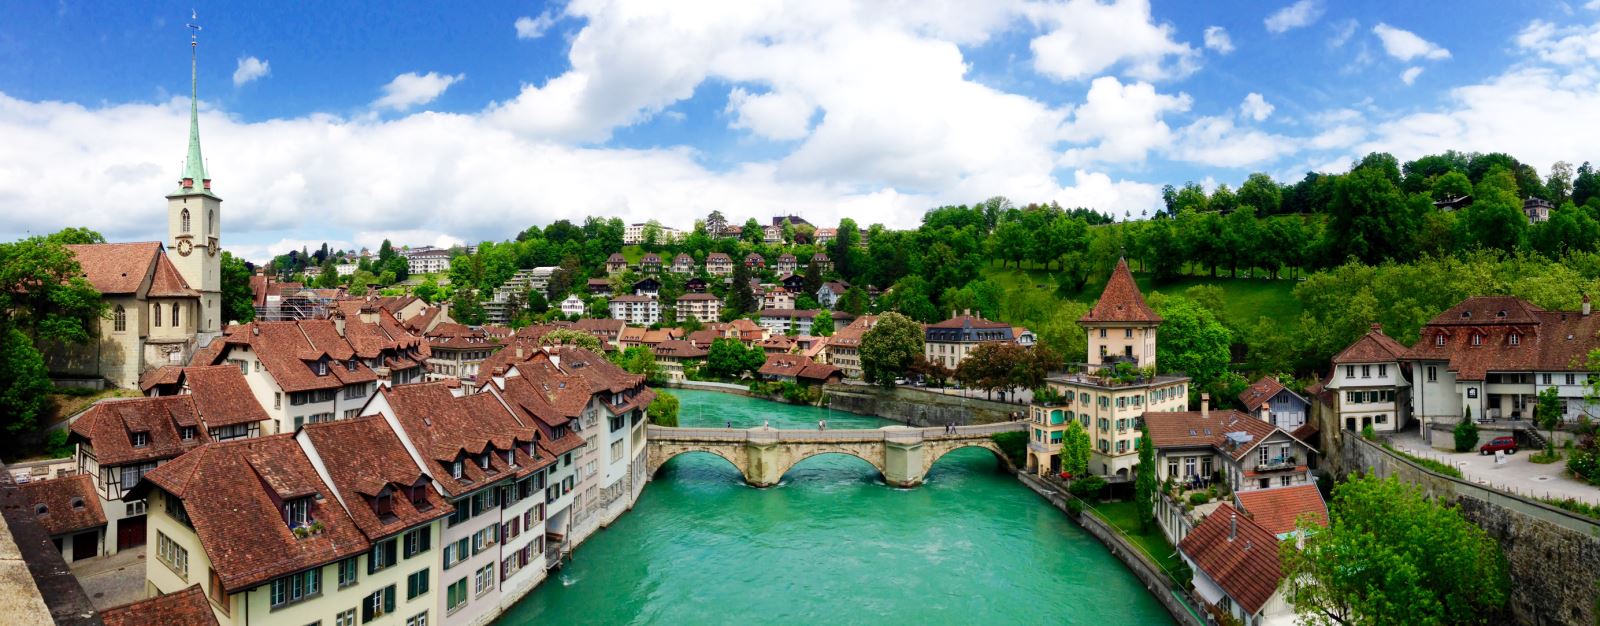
point(194, 29)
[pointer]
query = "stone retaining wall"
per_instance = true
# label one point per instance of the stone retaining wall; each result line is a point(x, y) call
point(1553, 554)
point(917, 407)
point(701, 385)
point(1155, 581)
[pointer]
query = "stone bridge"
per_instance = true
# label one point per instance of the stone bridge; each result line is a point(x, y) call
point(902, 454)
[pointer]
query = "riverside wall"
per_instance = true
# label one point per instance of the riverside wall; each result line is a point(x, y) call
point(917, 407)
point(1553, 554)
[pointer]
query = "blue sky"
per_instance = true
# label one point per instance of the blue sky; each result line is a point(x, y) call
point(433, 123)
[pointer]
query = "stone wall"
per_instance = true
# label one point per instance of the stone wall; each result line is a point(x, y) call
point(917, 407)
point(1553, 554)
point(1155, 581)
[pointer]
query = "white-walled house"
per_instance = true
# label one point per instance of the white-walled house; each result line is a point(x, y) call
point(1368, 384)
point(1275, 404)
point(1236, 568)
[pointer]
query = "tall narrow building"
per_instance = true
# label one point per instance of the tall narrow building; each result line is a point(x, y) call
point(194, 217)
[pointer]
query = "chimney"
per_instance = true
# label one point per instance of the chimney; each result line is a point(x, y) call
point(1586, 304)
point(1377, 328)
point(1266, 414)
point(519, 352)
point(1205, 406)
point(1233, 526)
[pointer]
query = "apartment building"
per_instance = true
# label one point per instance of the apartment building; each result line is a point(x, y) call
point(787, 264)
point(777, 298)
point(797, 321)
point(636, 310)
point(673, 355)
point(949, 342)
point(844, 347)
point(719, 264)
point(456, 351)
point(300, 372)
point(682, 264)
point(427, 260)
point(702, 307)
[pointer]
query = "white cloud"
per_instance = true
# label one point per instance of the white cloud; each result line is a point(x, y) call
point(1571, 45)
point(1406, 45)
point(1217, 40)
point(1302, 13)
point(250, 68)
point(771, 115)
point(411, 89)
point(1216, 142)
point(1592, 5)
point(1124, 122)
point(1410, 75)
point(1085, 37)
point(534, 27)
point(1342, 33)
point(1255, 107)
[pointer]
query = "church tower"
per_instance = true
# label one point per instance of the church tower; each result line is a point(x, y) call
point(194, 220)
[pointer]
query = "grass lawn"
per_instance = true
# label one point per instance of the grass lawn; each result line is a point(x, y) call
point(1124, 516)
point(633, 254)
point(1245, 299)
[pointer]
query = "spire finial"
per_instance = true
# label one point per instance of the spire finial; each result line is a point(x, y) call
point(194, 171)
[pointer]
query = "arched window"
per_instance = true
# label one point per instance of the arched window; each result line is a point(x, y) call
point(175, 309)
point(211, 221)
point(119, 319)
point(186, 220)
point(156, 313)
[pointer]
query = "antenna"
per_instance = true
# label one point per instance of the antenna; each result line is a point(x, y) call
point(194, 29)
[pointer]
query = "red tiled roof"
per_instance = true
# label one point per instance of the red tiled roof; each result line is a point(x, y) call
point(187, 607)
point(286, 349)
point(678, 348)
point(1545, 340)
point(166, 282)
point(109, 426)
point(444, 428)
point(1373, 347)
point(222, 396)
point(1245, 564)
point(819, 372)
point(164, 375)
point(116, 268)
point(1121, 301)
point(1276, 509)
point(968, 321)
point(1189, 429)
point(70, 504)
point(1259, 392)
point(231, 492)
point(364, 459)
point(784, 365)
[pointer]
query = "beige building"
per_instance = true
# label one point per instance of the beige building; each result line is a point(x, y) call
point(843, 349)
point(1108, 400)
point(949, 342)
point(701, 306)
point(719, 264)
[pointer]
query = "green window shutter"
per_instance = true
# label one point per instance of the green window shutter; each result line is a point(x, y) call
point(427, 539)
point(388, 599)
point(372, 561)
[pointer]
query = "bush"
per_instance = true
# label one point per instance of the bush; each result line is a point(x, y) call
point(1544, 458)
point(1088, 487)
point(1197, 499)
point(56, 446)
point(1014, 445)
point(1367, 433)
point(1584, 463)
point(1570, 504)
point(1466, 434)
point(1075, 507)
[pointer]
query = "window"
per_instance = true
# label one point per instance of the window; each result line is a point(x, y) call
point(175, 317)
point(1366, 371)
point(382, 555)
point(155, 314)
point(119, 319)
point(1383, 371)
point(1349, 371)
point(455, 469)
point(1172, 467)
point(277, 400)
point(1433, 373)
point(1188, 466)
point(175, 556)
point(140, 440)
point(1438, 340)
point(1545, 379)
point(616, 451)
point(483, 460)
point(483, 580)
point(296, 587)
point(1285, 480)
point(456, 595)
point(1477, 339)
point(416, 584)
point(347, 572)
point(185, 219)
point(186, 433)
point(1102, 333)
point(418, 541)
point(297, 512)
point(1514, 339)
point(420, 619)
point(345, 618)
point(1571, 379)
point(380, 603)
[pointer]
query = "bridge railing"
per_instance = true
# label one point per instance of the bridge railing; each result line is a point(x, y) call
point(860, 434)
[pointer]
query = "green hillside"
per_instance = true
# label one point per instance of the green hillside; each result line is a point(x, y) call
point(1245, 299)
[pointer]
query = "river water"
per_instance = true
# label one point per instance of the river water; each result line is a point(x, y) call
point(831, 544)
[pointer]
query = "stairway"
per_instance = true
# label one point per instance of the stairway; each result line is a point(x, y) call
point(1536, 441)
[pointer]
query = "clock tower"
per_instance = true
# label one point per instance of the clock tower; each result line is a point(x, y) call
point(194, 221)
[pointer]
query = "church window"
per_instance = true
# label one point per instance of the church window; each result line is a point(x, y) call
point(186, 220)
point(175, 319)
point(156, 313)
point(211, 220)
point(119, 319)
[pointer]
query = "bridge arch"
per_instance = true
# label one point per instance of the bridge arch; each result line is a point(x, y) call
point(661, 453)
point(938, 449)
point(802, 453)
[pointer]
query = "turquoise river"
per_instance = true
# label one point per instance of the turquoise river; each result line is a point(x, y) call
point(831, 544)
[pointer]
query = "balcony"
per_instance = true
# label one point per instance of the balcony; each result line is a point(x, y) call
point(1276, 464)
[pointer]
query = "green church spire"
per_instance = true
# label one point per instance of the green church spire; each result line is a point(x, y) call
point(195, 180)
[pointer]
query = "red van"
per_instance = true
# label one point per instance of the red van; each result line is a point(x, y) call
point(1508, 444)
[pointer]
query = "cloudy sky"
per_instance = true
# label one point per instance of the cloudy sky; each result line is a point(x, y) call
point(435, 123)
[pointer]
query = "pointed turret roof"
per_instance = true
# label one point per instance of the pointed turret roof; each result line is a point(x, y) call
point(1121, 301)
point(195, 181)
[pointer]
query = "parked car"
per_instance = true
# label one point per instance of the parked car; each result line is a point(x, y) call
point(1508, 444)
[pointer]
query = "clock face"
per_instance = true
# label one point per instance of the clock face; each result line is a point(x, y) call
point(211, 246)
point(185, 247)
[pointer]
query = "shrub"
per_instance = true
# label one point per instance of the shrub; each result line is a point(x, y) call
point(1367, 433)
point(1584, 463)
point(1544, 458)
point(1197, 499)
point(1576, 506)
point(56, 446)
point(1075, 507)
point(1466, 434)
point(1088, 487)
point(1014, 445)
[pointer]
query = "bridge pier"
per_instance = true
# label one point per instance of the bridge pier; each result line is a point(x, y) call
point(764, 463)
point(902, 462)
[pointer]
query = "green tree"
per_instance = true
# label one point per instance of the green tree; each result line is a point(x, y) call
point(1075, 450)
point(1261, 192)
point(752, 233)
point(24, 383)
point(1391, 556)
point(639, 360)
point(238, 301)
point(889, 347)
point(1466, 432)
point(428, 290)
point(75, 235)
point(572, 337)
point(822, 325)
point(855, 301)
point(813, 279)
point(464, 307)
point(741, 298)
point(1145, 483)
point(663, 409)
point(1450, 185)
point(1495, 219)
point(43, 292)
point(1370, 218)
point(728, 358)
point(1193, 340)
point(1548, 415)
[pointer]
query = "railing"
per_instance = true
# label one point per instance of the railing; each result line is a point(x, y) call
point(1278, 463)
point(851, 435)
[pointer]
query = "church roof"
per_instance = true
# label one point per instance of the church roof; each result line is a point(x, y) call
point(115, 268)
point(194, 167)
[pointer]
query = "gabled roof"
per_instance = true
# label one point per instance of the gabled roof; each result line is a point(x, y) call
point(186, 607)
point(718, 257)
point(116, 268)
point(1244, 563)
point(1373, 347)
point(70, 504)
point(1276, 509)
point(364, 458)
point(616, 257)
point(784, 365)
point(167, 282)
point(231, 492)
point(444, 428)
point(1544, 340)
point(1259, 392)
point(1121, 301)
point(109, 426)
point(678, 349)
point(1176, 430)
point(288, 351)
point(222, 396)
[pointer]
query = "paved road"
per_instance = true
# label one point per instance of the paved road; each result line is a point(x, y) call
point(1517, 474)
point(113, 580)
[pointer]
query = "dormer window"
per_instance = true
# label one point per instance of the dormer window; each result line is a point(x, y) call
point(140, 439)
point(483, 461)
point(351, 364)
point(1438, 339)
point(41, 510)
point(297, 512)
point(1466, 315)
point(1502, 313)
point(1477, 339)
point(76, 504)
point(1514, 339)
point(418, 495)
point(383, 504)
point(187, 433)
point(455, 469)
